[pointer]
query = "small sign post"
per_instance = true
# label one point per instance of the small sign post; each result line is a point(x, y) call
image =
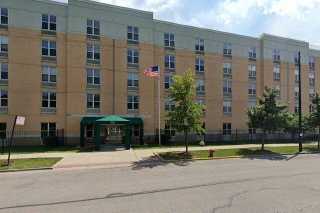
point(18, 120)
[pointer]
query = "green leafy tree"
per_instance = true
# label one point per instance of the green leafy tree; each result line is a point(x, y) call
point(292, 124)
point(315, 116)
point(268, 115)
point(187, 115)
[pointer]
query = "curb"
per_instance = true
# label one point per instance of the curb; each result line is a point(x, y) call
point(25, 170)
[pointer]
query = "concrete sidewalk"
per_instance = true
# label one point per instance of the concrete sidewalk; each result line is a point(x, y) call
point(119, 158)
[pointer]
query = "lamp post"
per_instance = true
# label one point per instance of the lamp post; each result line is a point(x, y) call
point(300, 104)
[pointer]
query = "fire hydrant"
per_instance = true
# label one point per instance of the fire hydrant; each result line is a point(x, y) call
point(211, 151)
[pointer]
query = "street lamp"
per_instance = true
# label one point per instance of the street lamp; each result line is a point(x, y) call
point(300, 104)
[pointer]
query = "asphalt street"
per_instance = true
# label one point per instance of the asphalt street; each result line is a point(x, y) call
point(278, 185)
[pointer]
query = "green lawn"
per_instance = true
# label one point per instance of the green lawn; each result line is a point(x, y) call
point(204, 154)
point(31, 163)
point(40, 149)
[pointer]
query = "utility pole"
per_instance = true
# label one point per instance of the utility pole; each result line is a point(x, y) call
point(300, 104)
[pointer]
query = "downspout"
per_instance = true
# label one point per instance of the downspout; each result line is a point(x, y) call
point(113, 76)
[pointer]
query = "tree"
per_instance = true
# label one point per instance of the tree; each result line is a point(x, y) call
point(315, 116)
point(292, 124)
point(268, 115)
point(186, 115)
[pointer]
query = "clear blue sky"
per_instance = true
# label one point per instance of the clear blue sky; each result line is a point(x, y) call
point(299, 19)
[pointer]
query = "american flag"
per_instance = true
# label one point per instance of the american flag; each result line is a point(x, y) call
point(152, 72)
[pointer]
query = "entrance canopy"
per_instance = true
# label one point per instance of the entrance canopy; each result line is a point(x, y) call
point(98, 121)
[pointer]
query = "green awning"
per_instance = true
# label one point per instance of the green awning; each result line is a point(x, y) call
point(112, 119)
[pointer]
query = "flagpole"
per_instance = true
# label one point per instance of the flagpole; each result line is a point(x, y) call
point(159, 106)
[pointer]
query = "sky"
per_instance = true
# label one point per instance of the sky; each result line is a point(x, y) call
point(298, 19)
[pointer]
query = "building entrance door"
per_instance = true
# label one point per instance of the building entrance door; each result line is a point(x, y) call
point(114, 134)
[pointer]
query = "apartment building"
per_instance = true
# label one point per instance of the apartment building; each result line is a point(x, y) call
point(63, 62)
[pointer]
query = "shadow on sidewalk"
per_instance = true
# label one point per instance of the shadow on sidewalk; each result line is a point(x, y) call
point(155, 161)
point(261, 155)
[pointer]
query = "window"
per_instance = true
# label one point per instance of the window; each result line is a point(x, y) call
point(252, 103)
point(252, 71)
point(169, 40)
point(296, 58)
point(296, 74)
point(133, 80)
point(168, 80)
point(312, 63)
point(48, 130)
point(200, 87)
point(93, 101)
point(49, 22)
point(227, 87)
point(169, 105)
point(226, 127)
point(312, 81)
point(199, 64)
point(3, 98)
point(170, 62)
point(133, 56)
point(93, 76)
point(49, 99)
point(3, 44)
point(3, 16)
point(227, 49)
point(252, 54)
point(276, 72)
point(227, 70)
point(133, 102)
point(3, 130)
point(93, 52)
point(199, 45)
point(169, 130)
point(312, 93)
point(227, 107)
point(278, 91)
point(49, 48)
point(252, 90)
point(93, 27)
point(49, 74)
point(133, 33)
point(3, 71)
point(276, 55)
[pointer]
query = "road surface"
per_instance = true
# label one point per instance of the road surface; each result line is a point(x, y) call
point(279, 185)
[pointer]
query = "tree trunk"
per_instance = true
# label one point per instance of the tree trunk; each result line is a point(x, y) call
point(263, 140)
point(186, 141)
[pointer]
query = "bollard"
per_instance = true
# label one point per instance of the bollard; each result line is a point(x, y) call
point(211, 151)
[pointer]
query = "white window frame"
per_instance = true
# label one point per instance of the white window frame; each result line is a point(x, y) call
point(296, 74)
point(169, 105)
point(4, 44)
point(276, 72)
point(200, 86)
point(4, 98)
point(227, 49)
point(93, 26)
point(93, 74)
point(227, 107)
point(50, 72)
point(51, 100)
point(94, 50)
point(169, 40)
point(93, 101)
point(227, 128)
point(133, 56)
point(199, 45)
point(51, 21)
point(252, 90)
point(227, 87)
point(49, 45)
point(252, 53)
point(133, 101)
point(276, 55)
point(133, 33)
point(47, 132)
point(227, 69)
point(168, 80)
point(133, 80)
point(170, 62)
point(4, 69)
point(200, 66)
point(4, 16)
point(252, 71)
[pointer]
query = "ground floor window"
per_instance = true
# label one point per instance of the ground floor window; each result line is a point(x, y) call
point(169, 130)
point(227, 128)
point(3, 130)
point(48, 130)
point(49, 99)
